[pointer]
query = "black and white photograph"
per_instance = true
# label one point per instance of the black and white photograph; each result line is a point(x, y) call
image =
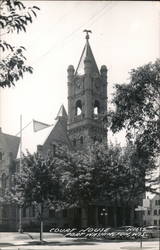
point(79, 125)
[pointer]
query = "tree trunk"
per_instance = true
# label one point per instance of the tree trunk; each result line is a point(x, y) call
point(96, 217)
point(123, 215)
point(115, 216)
point(84, 217)
point(132, 216)
point(41, 222)
point(41, 230)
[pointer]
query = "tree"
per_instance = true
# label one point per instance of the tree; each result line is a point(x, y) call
point(14, 18)
point(120, 177)
point(137, 108)
point(77, 182)
point(102, 175)
point(39, 184)
point(89, 178)
point(106, 175)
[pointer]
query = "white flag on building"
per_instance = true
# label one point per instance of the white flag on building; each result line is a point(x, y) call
point(39, 125)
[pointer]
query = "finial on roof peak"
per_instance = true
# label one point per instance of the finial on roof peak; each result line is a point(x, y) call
point(87, 35)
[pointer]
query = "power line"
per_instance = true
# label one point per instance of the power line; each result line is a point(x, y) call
point(97, 13)
point(23, 128)
point(110, 7)
point(60, 19)
point(92, 19)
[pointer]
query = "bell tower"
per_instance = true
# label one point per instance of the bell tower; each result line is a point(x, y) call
point(87, 100)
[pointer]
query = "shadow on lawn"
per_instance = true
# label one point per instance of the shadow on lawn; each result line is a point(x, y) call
point(5, 244)
point(61, 243)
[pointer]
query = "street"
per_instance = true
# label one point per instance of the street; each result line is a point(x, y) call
point(30, 241)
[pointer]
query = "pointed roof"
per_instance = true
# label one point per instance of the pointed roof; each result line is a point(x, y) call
point(61, 113)
point(57, 132)
point(87, 54)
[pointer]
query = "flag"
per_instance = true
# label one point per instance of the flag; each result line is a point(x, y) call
point(39, 125)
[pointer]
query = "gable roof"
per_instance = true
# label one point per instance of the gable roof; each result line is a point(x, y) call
point(55, 133)
point(41, 136)
point(9, 144)
point(58, 135)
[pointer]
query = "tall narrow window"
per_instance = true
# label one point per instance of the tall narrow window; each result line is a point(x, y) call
point(155, 222)
point(74, 142)
point(81, 140)
point(53, 149)
point(78, 108)
point(4, 183)
point(155, 212)
point(96, 108)
point(0, 156)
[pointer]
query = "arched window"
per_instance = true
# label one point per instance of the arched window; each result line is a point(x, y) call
point(81, 140)
point(96, 107)
point(74, 142)
point(78, 108)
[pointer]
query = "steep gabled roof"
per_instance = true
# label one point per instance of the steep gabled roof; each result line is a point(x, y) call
point(41, 136)
point(87, 54)
point(9, 144)
point(56, 133)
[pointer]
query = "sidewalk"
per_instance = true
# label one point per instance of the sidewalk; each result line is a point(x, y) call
point(30, 241)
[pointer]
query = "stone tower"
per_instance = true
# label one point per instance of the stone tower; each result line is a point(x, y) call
point(87, 100)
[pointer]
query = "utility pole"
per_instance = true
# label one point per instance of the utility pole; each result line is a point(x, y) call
point(20, 230)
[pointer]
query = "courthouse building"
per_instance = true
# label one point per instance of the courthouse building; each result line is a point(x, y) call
point(87, 103)
point(83, 125)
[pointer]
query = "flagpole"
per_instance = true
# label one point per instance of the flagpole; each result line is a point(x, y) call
point(20, 169)
point(23, 128)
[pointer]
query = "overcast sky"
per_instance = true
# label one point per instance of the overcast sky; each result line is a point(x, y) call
point(125, 35)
